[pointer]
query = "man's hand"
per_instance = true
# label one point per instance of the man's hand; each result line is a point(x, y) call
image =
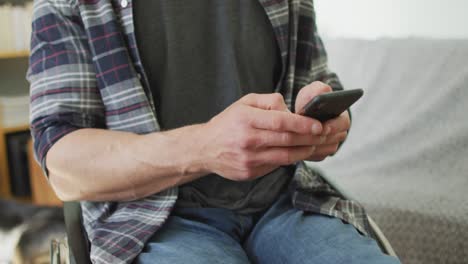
point(249, 139)
point(256, 135)
point(334, 130)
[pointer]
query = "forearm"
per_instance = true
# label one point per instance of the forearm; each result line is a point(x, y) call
point(104, 165)
point(250, 138)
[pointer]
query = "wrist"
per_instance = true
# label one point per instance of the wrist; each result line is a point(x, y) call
point(181, 149)
point(197, 155)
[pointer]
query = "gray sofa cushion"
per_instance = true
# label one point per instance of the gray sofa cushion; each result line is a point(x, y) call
point(406, 157)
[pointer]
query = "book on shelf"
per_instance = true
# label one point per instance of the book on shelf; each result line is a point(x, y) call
point(15, 27)
point(14, 110)
point(17, 150)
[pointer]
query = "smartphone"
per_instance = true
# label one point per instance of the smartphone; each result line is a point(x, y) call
point(330, 105)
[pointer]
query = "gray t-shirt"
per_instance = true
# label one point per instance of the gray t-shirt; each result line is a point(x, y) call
point(200, 57)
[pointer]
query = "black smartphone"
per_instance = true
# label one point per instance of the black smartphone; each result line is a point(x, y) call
point(330, 105)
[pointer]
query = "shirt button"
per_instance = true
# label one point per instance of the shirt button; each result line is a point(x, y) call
point(124, 3)
point(139, 76)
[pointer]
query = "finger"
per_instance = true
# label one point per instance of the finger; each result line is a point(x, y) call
point(338, 124)
point(322, 152)
point(283, 121)
point(273, 101)
point(284, 155)
point(335, 138)
point(318, 158)
point(308, 92)
point(266, 138)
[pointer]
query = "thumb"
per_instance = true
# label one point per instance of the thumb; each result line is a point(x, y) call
point(308, 92)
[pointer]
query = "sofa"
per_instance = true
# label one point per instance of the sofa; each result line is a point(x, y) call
point(406, 156)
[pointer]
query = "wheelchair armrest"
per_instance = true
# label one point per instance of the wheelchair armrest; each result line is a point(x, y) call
point(77, 238)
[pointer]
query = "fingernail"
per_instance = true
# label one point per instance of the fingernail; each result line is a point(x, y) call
point(327, 130)
point(316, 129)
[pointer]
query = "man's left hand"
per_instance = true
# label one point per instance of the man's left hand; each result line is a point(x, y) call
point(335, 130)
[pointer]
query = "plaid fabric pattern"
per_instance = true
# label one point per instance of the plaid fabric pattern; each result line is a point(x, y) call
point(85, 72)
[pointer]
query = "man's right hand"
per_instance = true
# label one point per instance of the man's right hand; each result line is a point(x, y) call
point(256, 135)
point(250, 138)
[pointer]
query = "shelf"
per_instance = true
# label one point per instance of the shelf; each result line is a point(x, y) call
point(7, 130)
point(14, 54)
point(22, 199)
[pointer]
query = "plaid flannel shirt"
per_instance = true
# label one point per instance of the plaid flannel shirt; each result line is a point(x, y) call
point(85, 72)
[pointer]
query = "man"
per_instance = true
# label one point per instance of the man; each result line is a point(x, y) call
point(172, 122)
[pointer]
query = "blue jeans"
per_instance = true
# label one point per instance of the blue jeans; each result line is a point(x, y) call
point(281, 235)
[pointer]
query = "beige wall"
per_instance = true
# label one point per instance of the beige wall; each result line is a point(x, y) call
point(393, 18)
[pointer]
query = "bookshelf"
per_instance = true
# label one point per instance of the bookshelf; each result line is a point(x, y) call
point(17, 163)
point(41, 192)
point(12, 82)
point(4, 167)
